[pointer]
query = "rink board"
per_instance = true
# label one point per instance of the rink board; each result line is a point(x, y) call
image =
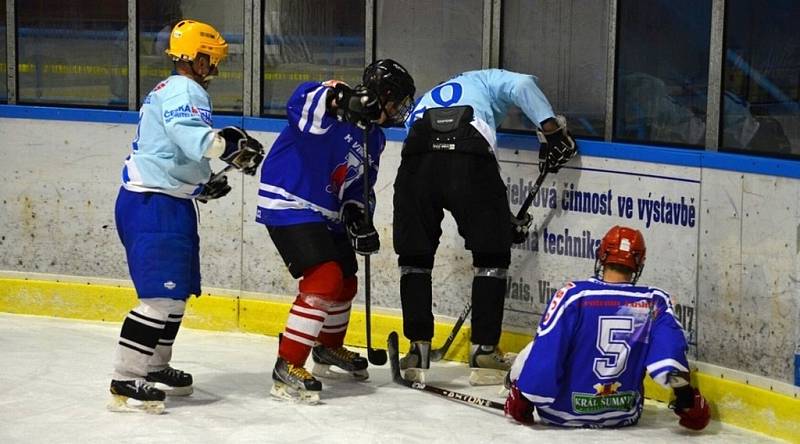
point(732, 402)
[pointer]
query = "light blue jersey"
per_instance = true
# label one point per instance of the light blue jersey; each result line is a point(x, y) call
point(490, 92)
point(173, 134)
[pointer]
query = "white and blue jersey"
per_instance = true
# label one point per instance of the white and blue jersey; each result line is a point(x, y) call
point(593, 346)
point(490, 92)
point(171, 139)
point(315, 164)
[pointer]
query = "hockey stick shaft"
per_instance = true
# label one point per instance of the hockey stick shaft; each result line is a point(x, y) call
point(438, 354)
point(531, 195)
point(375, 356)
point(394, 359)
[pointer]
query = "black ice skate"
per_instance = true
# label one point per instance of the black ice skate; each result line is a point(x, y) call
point(489, 365)
point(149, 399)
point(417, 361)
point(294, 383)
point(351, 363)
point(174, 382)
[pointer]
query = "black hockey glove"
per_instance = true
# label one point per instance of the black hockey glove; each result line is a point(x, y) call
point(362, 234)
point(241, 151)
point(216, 187)
point(520, 228)
point(556, 147)
point(359, 106)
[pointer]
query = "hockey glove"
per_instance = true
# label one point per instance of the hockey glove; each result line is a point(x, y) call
point(359, 106)
point(556, 147)
point(691, 407)
point(216, 187)
point(361, 233)
point(241, 151)
point(520, 228)
point(518, 406)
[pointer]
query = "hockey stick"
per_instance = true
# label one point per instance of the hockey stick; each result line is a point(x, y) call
point(375, 356)
point(531, 194)
point(394, 361)
point(438, 354)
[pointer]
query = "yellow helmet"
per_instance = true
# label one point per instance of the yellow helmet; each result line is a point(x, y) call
point(189, 37)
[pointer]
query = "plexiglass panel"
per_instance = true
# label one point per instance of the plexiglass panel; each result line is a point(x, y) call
point(565, 44)
point(761, 78)
point(433, 39)
point(309, 40)
point(73, 52)
point(662, 71)
point(156, 19)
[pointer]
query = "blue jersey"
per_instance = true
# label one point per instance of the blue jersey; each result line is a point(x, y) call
point(490, 92)
point(172, 136)
point(315, 164)
point(593, 346)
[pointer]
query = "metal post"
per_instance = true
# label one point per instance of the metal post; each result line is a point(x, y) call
point(11, 52)
point(133, 61)
point(369, 31)
point(494, 56)
point(611, 69)
point(715, 65)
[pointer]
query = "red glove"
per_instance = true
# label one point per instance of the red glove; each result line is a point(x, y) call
point(695, 415)
point(517, 406)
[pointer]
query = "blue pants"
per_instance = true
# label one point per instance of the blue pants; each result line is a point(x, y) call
point(159, 233)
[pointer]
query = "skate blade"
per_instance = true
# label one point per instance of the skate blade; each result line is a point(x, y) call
point(283, 392)
point(120, 403)
point(333, 372)
point(487, 376)
point(415, 375)
point(175, 391)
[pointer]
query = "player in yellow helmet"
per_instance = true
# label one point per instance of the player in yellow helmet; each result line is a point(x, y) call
point(197, 50)
point(168, 168)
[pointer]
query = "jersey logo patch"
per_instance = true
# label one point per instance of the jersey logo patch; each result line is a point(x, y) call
point(606, 398)
point(169, 285)
point(551, 309)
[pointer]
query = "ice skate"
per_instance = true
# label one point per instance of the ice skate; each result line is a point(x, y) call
point(416, 361)
point(350, 363)
point(294, 383)
point(489, 365)
point(172, 381)
point(147, 398)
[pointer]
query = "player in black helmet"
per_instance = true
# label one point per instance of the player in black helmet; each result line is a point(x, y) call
point(311, 199)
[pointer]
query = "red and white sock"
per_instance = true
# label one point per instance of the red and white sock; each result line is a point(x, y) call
point(335, 327)
point(301, 332)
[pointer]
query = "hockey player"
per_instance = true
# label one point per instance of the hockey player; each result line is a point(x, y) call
point(167, 169)
point(449, 163)
point(311, 200)
point(596, 341)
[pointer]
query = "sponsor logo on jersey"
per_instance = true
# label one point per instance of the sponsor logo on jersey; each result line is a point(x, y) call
point(187, 112)
point(551, 309)
point(606, 398)
point(344, 174)
point(159, 86)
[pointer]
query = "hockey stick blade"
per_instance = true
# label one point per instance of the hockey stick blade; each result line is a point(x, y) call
point(394, 360)
point(438, 354)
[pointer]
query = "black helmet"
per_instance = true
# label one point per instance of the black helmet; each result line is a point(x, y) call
point(392, 83)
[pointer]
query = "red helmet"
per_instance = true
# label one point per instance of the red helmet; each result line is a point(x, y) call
point(622, 246)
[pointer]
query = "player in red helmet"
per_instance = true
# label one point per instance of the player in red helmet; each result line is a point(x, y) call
point(595, 343)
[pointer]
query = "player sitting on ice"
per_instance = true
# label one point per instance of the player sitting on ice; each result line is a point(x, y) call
point(311, 200)
point(596, 341)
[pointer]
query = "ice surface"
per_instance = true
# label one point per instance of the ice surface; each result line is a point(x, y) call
point(54, 376)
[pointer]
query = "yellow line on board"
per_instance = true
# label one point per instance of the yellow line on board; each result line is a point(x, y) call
point(732, 402)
